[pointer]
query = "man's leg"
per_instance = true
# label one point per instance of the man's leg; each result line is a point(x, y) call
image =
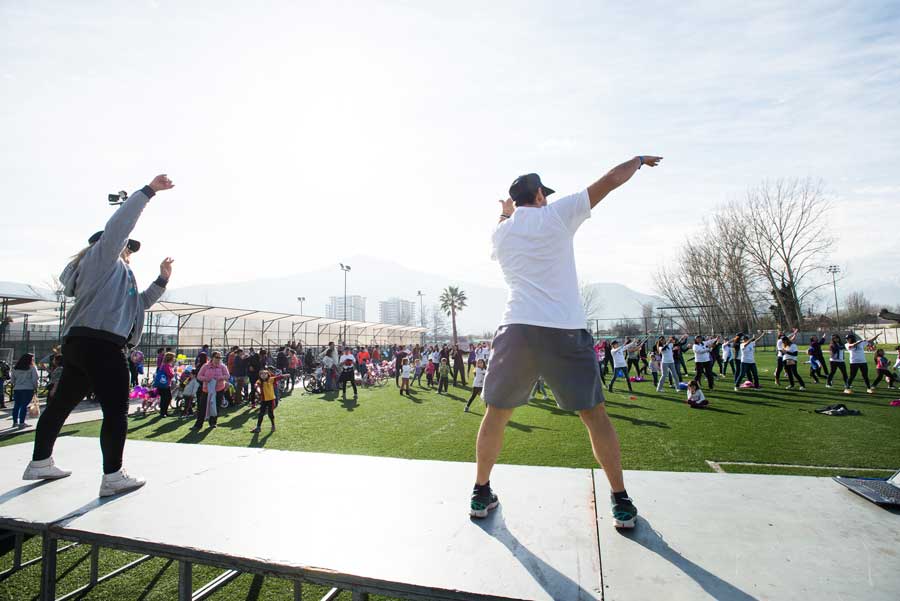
point(605, 444)
point(490, 441)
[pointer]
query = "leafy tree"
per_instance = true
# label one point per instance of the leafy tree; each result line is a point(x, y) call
point(453, 300)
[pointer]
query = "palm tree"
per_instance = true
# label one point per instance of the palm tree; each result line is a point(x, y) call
point(453, 300)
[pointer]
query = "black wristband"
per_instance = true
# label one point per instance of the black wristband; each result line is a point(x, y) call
point(161, 281)
point(148, 191)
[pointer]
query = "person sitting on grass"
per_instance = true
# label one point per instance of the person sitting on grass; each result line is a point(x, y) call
point(748, 361)
point(695, 396)
point(478, 383)
point(404, 376)
point(265, 391)
point(443, 375)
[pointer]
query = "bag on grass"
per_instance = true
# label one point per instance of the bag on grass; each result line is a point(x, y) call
point(838, 410)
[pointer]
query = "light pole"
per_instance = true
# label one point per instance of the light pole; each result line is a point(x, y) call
point(300, 299)
point(834, 270)
point(345, 269)
point(421, 315)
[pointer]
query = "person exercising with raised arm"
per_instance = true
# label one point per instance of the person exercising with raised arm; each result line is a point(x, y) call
point(542, 332)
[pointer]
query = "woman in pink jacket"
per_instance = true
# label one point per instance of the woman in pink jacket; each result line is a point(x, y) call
point(214, 371)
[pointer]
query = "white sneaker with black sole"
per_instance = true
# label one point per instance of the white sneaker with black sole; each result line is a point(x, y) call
point(44, 469)
point(119, 482)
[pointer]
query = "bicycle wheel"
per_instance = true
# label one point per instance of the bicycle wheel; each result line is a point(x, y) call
point(310, 383)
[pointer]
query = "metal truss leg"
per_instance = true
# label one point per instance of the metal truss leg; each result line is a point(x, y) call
point(185, 581)
point(48, 567)
point(360, 596)
point(298, 590)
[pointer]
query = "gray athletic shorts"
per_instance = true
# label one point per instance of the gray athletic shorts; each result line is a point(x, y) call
point(565, 358)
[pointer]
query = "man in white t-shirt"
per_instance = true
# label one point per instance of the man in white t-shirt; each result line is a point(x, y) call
point(542, 332)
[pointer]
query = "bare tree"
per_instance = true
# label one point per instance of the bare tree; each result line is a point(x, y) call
point(647, 316)
point(786, 240)
point(858, 309)
point(591, 301)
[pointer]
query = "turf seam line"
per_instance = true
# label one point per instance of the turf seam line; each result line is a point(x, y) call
point(717, 464)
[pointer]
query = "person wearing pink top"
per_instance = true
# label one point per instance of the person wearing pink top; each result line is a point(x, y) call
point(213, 371)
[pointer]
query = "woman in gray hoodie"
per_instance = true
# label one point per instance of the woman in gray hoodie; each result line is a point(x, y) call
point(105, 320)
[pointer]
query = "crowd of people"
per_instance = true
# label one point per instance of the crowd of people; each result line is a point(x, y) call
point(664, 359)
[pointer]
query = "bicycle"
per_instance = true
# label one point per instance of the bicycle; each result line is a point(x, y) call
point(314, 383)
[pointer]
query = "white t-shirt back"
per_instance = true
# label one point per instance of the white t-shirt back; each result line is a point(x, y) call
point(536, 254)
point(857, 353)
point(618, 354)
point(667, 356)
point(479, 377)
point(747, 352)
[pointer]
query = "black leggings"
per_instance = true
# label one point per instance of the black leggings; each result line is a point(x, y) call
point(476, 390)
point(637, 366)
point(723, 367)
point(779, 367)
point(203, 405)
point(132, 370)
point(884, 374)
point(165, 398)
point(89, 364)
point(835, 367)
point(348, 376)
point(704, 367)
point(266, 408)
point(615, 376)
point(793, 374)
point(855, 368)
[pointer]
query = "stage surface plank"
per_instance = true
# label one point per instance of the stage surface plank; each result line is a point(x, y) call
point(737, 537)
point(389, 524)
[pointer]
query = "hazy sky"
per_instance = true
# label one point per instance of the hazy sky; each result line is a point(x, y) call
point(302, 133)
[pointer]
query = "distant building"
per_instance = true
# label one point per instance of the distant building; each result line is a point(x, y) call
point(356, 308)
point(397, 311)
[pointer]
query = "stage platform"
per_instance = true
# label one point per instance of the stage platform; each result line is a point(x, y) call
point(400, 527)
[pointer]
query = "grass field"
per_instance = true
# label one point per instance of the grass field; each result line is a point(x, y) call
point(657, 432)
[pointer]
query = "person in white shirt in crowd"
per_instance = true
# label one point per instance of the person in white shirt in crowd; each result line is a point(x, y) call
point(702, 359)
point(620, 355)
point(856, 346)
point(348, 372)
point(748, 360)
point(477, 383)
point(542, 332)
point(791, 356)
point(667, 363)
point(779, 353)
point(836, 360)
point(727, 357)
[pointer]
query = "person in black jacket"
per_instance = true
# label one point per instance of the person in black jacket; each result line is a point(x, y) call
point(253, 366)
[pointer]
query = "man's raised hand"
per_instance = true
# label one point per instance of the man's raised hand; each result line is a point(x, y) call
point(161, 182)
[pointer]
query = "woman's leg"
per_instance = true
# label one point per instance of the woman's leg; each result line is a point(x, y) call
point(843, 369)
point(475, 392)
point(655, 378)
point(72, 387)
point(754, 372)
point(779, 367)
point(790, 374)
point(353, 383)
point(738, 372)
point(864, 370)
point(798, 376)
point(108, 371)
point(201, 409)
point(615, 376)
point(854, 369)
point(261, 415)
point(709, 376)
point(21, 398)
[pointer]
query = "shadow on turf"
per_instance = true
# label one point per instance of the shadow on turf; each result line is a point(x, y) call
point(717, 588)
point(150, 586)
point(640, 422)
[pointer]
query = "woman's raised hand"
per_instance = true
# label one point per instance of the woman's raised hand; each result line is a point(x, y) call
point(165, 268)
point(161, 182)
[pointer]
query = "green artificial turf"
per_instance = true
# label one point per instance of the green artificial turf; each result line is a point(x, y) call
point(657, 432)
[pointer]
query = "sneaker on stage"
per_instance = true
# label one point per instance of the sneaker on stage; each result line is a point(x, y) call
point(44, 469)
point(483, 500)
point(624, 512)
point(119, 482)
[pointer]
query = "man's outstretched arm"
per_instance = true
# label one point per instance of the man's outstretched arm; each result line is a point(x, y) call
point(618, 176)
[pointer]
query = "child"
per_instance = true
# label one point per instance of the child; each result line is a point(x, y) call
point(478, 383)
point(429, 373)
point(404, 376)
point(539, 387)
point(163, 383)
point(191, 387)
point(417, 375)
point(56, 367)
point(443, 375)
point(695, 396)
point(265, 391)
point(897, 362)
point(883, 368)
point(655, 361)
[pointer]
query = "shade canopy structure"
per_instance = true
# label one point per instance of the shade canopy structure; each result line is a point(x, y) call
point(225, 326)
point(19, 301)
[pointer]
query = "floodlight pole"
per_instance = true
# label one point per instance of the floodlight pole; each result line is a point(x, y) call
point(345, 269)
point(422, 315)
point(834, 270)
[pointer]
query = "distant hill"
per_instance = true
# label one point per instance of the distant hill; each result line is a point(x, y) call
point(378, 280)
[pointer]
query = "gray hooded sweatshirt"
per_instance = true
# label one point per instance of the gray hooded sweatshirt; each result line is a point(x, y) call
point(107, 303)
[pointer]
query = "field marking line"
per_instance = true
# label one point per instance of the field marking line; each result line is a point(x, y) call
point(716, 466)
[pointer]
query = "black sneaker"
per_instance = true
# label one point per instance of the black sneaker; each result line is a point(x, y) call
point(624, 512)
point(483, 500)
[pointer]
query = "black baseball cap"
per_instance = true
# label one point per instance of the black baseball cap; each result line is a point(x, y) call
point(526, 186)
point(133, 245)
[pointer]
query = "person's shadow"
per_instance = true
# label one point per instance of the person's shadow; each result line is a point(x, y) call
point(555, 583)
point(646, 536)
